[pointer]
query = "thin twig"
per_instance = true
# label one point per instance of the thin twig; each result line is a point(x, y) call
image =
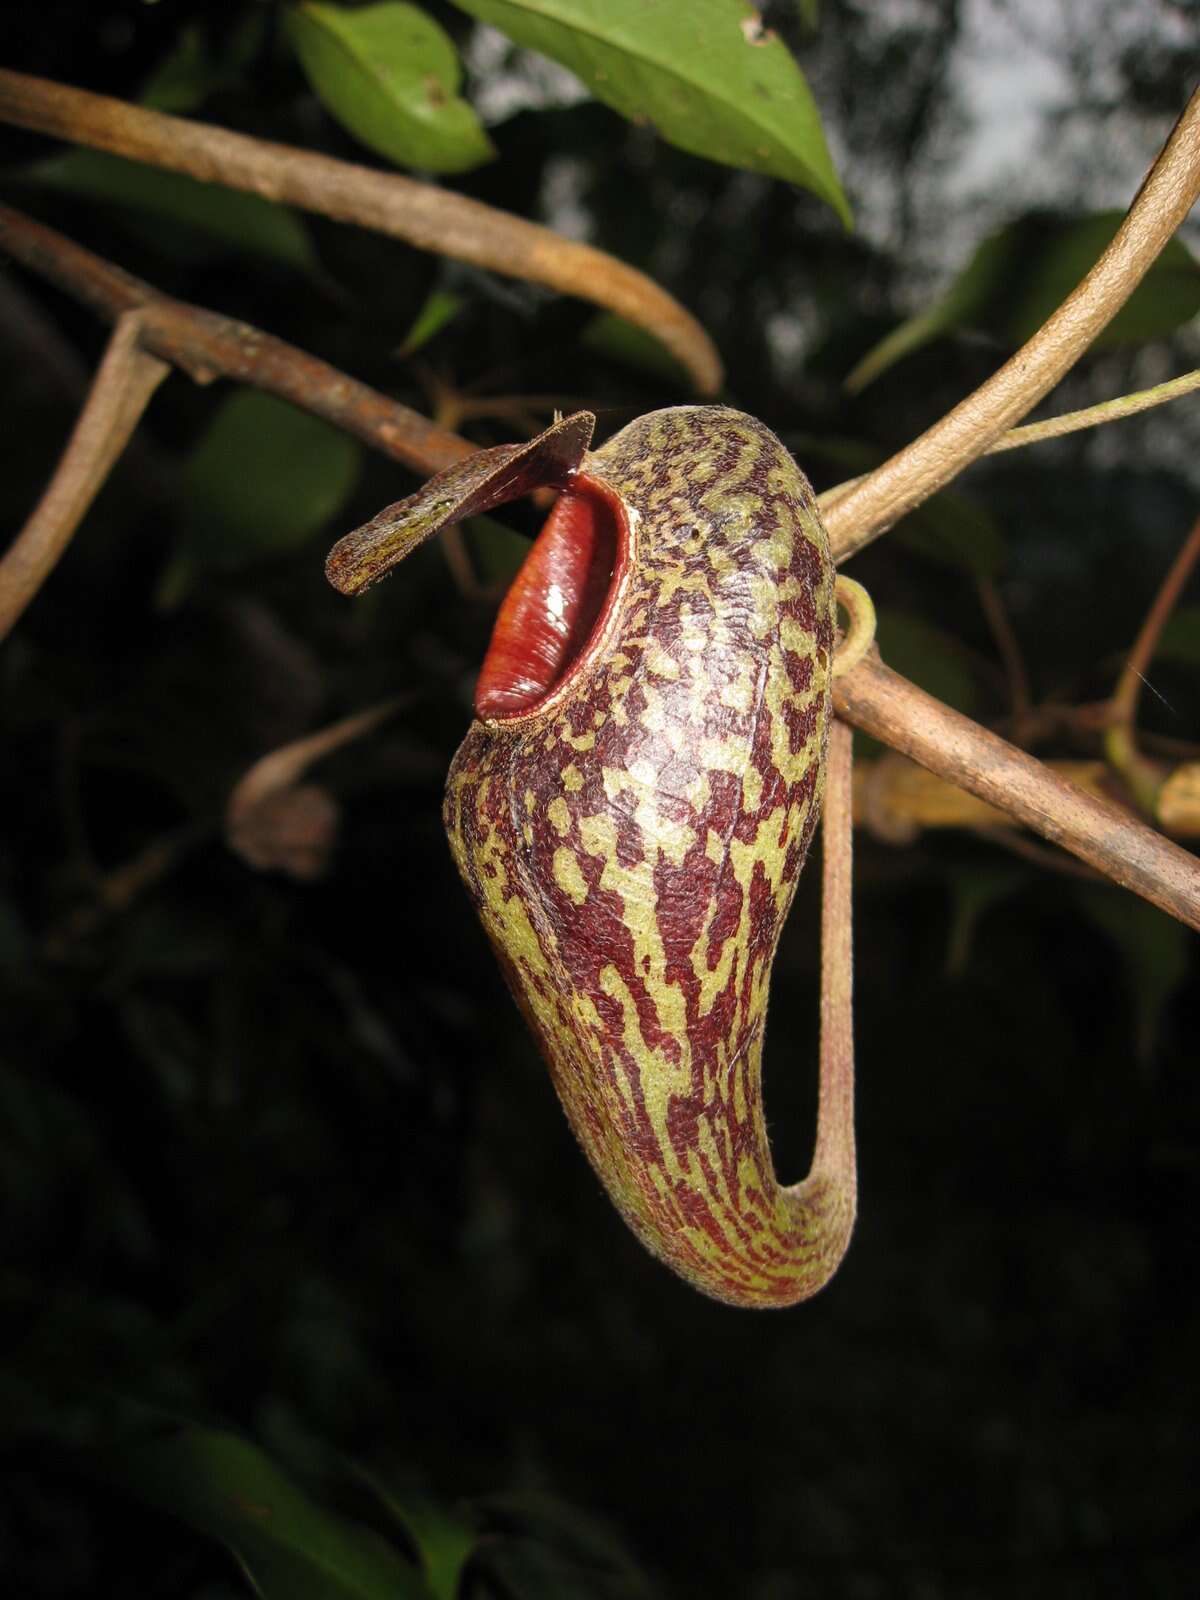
point(124, 382)
point(997, 618)
point(882, 703)
point(1129, 685)
point(1143, 776)
point(834, 1153)
point(1125, 405)
point(1044, 856)
point(418, 213)
point(208, 346)
point(896, 712)
point(931, 461)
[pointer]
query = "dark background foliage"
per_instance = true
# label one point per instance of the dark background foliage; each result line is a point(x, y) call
point(280, 1155)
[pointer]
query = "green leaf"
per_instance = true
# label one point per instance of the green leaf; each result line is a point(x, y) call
point(543, 1549)
point(705, 75)
point(1167, 297)
point(850, 456)
point(390, 76)
point(931, 658)
point(16, 947)
point(192, 71)
point(180, 216)
point(617, 340)
point(440, 309)
point(183, 79)
point(444, 1543)
point(956, 531)
point(227, 1488)
point(497, 551)
point(1019, 275)
point(1156, 951)
point(1180, 638)
point(963, 303)
point(263, 478)
point(974, 890)
point(951, 528)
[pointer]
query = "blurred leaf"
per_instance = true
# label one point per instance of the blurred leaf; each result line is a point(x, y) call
point(951, 528)
point(161, 938)
point(927, 655)
point(1167, 297)
point(706, 76)
point(289, 1547)
point(184, 79)
point(542, 1549)
point(849, 456)
point(611, 336)
point(390, 76)
point(264, 477)
point(191, 71)
point(440, 309)
point(180, 216)
point(1180, 638)
point(247, 39)
point(974, 890)
point(962, 303)
point(443, 1542)
point(16, 947)
point(1023, 272)
point(1156, 951)
point(164, 1038)
point(497, 551)
point(445, 1545)
point(955, 531)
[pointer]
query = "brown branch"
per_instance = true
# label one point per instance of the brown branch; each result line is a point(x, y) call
point(871, 697)
point(931, 461)
point(124, 383)
point(882, 703)
point(418, 213)
point(209, 346)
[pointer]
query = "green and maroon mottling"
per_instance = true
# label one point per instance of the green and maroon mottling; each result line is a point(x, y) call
point(631, 828)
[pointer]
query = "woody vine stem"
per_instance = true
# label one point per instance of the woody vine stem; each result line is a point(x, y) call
point(155, 330)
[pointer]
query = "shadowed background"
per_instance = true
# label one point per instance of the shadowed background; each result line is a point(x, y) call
point(278, 1154)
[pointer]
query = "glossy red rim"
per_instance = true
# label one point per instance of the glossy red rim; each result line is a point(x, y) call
point(558, 604)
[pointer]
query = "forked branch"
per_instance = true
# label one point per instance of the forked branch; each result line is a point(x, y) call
point(931, 461)
point(124, 382)
point(420, 214)
point(871, 697)
point(882, 703)
point(207, 346)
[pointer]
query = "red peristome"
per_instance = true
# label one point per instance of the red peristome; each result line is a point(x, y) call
point(555, 602)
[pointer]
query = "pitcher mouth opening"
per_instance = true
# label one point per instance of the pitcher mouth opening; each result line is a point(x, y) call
point(557, 606)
